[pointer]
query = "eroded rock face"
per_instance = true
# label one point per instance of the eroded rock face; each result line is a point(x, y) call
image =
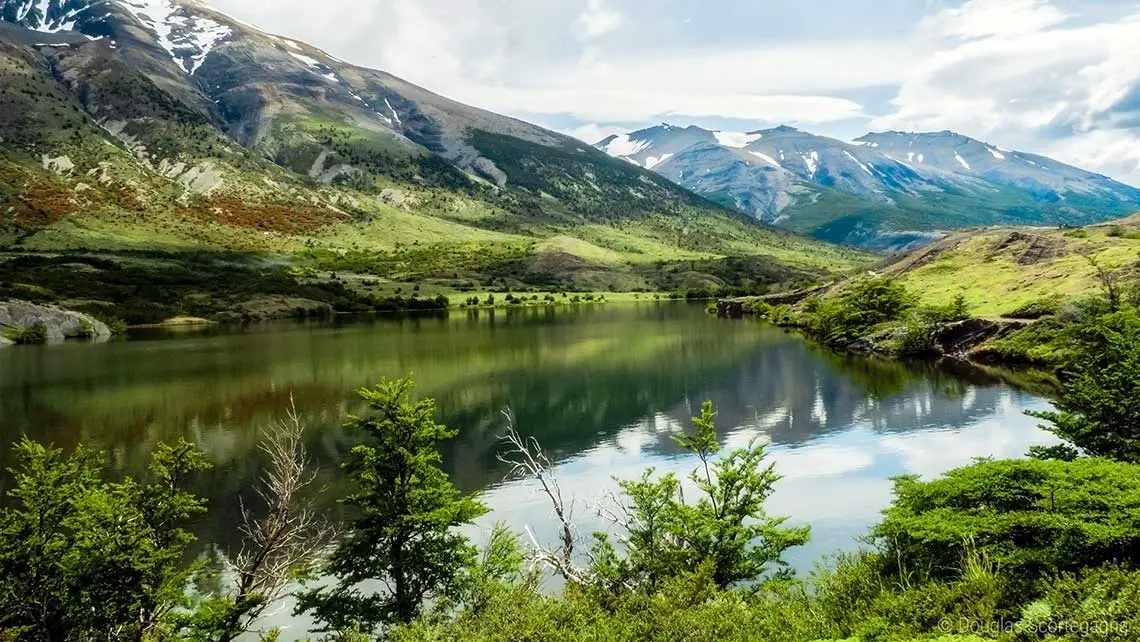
point(60, 324)
point(961, 337)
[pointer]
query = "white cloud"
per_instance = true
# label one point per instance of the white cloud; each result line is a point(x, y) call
point(1115, 152)
point(1044, 84)
point(594, 132)
point(618, 105)
point(978, 18)
point(597, 20)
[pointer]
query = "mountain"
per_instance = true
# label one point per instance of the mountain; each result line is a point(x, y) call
point(888, 190)
point(142, 125)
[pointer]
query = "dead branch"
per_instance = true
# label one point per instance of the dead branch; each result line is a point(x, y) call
point(291, 535)
point(527, 460)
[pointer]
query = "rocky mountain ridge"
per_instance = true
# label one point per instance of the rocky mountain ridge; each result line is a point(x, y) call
point(885, 189)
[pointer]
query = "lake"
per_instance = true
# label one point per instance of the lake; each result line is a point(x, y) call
point(603, 387)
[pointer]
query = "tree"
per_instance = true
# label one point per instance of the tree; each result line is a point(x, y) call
point(725, 530)
point(842, 318)
point(81, 558)
point(1099, 407)
point(281, 544)
point(402, 535)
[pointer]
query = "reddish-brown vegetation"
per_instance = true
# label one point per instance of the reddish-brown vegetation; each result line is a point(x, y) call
point(271, 217)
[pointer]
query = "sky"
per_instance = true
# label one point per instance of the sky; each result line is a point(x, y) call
point(1055, 77)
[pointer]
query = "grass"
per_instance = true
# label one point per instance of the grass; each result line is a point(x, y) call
point(997, 276)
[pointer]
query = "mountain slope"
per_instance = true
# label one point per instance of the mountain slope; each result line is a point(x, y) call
point(1002, 269)
point(152, 124)
point(888, 190)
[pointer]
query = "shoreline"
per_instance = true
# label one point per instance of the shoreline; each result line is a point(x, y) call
point(966, 341)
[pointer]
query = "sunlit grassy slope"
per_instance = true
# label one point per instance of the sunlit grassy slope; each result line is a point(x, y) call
point(1003, 268)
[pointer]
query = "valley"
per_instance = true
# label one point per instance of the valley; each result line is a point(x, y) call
point(400, 321)
point(171, 131)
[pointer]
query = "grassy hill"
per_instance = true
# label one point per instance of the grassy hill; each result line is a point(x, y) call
point(1001, 269)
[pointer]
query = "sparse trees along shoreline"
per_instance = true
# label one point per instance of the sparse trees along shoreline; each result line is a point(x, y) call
point(1044, 547)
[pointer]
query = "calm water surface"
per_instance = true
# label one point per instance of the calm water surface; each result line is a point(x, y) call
point(602, 387)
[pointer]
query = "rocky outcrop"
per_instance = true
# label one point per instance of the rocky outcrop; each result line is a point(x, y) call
point(738, 307)
point(961, 337)
point(60, 324)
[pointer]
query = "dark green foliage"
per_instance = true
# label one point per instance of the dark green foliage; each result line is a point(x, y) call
point(1033, 518)
point(83, 558)
point(405, 514)
point(1036, 309)
point(33, 334)
point(1099, 406)
point(843, 318)
point(148, 287)
point(725, 528)
point(1099, 605)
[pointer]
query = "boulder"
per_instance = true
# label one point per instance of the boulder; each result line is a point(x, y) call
point(60, 324)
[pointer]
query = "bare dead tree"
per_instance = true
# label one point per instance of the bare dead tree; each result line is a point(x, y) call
point(289, 537)
point(528, 461)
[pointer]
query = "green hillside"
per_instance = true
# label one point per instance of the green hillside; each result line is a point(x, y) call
point(110, 182)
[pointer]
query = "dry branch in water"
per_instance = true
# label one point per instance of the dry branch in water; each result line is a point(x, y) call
point(528, 461)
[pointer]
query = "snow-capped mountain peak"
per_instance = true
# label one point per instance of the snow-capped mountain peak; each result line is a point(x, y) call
point(183, 28)
point(775, 172)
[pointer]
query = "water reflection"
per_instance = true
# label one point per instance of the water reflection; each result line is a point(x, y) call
point(603, 387)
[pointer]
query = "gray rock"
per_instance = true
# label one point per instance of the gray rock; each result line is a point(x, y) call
point(61, 324)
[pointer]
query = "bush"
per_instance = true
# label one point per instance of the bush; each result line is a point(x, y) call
point(1099, 407)
point(1032, 518)
point(1035, 309)
point(919, 337)
point(1099, 605)
point(843, 318)
point(34, 334)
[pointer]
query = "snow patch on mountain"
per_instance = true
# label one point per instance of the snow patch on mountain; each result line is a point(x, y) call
point(811, 161)
point(736, 139)
point(624, 146)
point(961, 161)
point(312, 63)
point(652, 161)
point(764, 157)
point(858, 162)
point(186, 37)
point(996, 154)
point(394, 114)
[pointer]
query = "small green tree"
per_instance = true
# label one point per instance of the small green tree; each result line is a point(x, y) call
point(405, 513)
point(842, 318)
point(81, 558)
point(725, 529)
point(1099, 407)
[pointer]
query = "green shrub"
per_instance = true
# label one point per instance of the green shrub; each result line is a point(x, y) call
point(919, 336)
point(1099, 605)
point(1099, 407)
point(34, 334)
point(847, 316)
point(1032, 518)
point(1035, 309)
